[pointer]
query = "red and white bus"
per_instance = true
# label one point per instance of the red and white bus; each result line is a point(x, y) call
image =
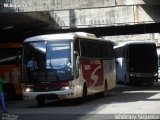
point(67, 66)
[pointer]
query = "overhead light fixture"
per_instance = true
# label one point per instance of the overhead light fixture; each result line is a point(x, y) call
point(9, 27)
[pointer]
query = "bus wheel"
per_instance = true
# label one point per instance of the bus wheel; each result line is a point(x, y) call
point(41, 102)
point(104, 93)
point(125, 81)
point(83, 99)
point(9, 91)
point(105, 90)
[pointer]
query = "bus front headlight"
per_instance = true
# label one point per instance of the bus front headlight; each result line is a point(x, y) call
point(132, 75)
point(66, 87)
point(155, 74)
point(28, 90)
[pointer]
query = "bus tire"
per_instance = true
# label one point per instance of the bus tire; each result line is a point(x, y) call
point(40, 102)
point(104, 92)
point(9, 92)
point(105, 89)
point(83, 99)
point(125, 80)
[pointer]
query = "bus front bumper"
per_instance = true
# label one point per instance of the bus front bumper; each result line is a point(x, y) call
point(54, 95)
point(143, 78)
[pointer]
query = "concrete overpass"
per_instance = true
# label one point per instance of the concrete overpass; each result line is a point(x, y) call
point(21, 18)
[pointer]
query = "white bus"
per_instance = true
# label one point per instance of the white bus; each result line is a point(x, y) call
point(69, 65)
point(158, 53)
point(136, 62)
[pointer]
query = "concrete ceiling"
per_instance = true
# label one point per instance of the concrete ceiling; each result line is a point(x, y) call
point(15, 27)
point(19, 25)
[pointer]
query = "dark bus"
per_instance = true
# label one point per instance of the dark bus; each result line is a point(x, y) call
point(136, 62)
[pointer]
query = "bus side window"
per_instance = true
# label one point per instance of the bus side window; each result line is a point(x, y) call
point(82, 44)
point(96, 49)
point(158, 60)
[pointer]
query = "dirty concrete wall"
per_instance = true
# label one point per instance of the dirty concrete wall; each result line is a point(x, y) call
point(90, 13)
point(81, 4)
point(45, 5)
point(97, 17)
point(106, 13)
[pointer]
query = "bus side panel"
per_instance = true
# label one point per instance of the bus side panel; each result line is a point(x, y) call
point(12, 74)
point(121, 69)
point(93, 75)
point(109, 73)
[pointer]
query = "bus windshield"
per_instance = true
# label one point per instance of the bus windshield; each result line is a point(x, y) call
point(47, 61)
point(140, 61)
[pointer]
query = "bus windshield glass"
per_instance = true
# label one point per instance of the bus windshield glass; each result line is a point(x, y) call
point(142, 61)
point(47, 61)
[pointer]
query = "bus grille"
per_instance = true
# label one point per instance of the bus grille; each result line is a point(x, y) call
point(45, 88)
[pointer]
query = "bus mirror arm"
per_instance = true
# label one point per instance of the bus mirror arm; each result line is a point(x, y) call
point(18, 58)
point(76, 54)
point(77, 57)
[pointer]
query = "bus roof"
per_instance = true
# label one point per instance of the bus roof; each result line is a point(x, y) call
point(59, 36)
point(133, 42)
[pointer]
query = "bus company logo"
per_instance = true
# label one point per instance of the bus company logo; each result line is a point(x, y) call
point(92, 72)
